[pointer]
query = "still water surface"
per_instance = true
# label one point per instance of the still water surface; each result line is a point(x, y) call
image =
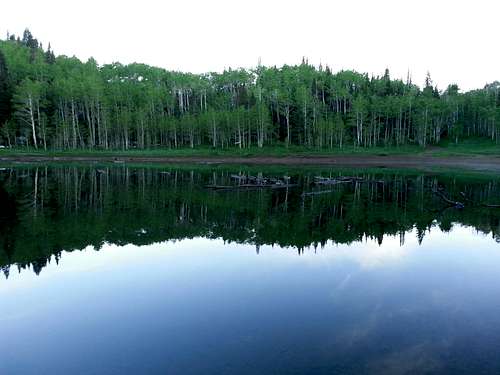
point(130, 270)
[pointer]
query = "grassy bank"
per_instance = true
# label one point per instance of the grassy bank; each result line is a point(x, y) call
point(276, 151)
point(469, 147)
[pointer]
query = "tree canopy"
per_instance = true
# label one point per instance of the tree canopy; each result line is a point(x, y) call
point(59, 102)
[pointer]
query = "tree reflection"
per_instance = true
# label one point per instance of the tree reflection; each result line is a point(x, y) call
point(45, 210)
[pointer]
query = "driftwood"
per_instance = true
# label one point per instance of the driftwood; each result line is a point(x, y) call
point(250, 179)
point(479, 204)
point(452, 203)
point(461, 205)
point(342, 179)
point(248, 182)
point(317, 192)
point(249, 186)
point(328, 181)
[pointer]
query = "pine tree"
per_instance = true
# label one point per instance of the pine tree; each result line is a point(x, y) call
point(50, 58)
point(30, 42)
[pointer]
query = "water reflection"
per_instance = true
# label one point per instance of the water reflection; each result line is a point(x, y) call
point(46, 210)
point(199, 306)
point(379, 275)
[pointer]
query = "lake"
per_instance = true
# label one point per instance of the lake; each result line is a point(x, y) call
point(122, 269)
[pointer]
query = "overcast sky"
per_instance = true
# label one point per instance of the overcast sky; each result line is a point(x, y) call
point(457, 41)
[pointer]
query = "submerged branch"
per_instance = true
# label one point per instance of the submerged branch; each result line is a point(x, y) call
point(479, 204)
point(455, 204)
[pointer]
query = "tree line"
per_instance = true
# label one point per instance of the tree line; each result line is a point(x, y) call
point(59, 102)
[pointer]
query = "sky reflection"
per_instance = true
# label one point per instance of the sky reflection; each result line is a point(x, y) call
point(202, 306)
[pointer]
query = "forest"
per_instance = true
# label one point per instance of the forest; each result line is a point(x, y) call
point(51, 102)
point(47, 210)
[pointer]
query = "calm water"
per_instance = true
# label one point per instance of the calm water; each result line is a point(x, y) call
point(146, 271)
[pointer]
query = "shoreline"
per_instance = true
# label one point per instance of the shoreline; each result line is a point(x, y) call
point(477, 162)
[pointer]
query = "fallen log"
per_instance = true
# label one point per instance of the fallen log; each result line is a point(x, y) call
point(281, 186)
point(332, 182)
point(249, 186)
point(343, 179)
point(455, 204)
point(479, 204)
point(304, 194)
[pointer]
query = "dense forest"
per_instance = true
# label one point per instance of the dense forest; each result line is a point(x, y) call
point(48, 210)
point(58, 102)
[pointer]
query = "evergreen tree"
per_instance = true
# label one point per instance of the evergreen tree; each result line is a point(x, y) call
point(50, 58)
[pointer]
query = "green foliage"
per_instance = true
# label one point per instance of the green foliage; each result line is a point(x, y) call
point(5, 91)
point(59, 102)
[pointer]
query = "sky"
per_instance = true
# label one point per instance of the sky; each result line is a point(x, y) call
point(456, 41)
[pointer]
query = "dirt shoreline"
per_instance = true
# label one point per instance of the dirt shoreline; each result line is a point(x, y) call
point(482, 163)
